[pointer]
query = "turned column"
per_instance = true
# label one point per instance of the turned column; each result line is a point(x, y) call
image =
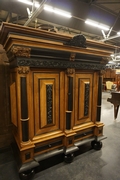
point(24, 116)
point(99, 96)
point(70, 73)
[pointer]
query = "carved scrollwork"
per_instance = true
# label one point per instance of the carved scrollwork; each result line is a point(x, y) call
point(78, 41)
point(86, 102)
point(23, 70)
point(21, 51)
point(70, 71)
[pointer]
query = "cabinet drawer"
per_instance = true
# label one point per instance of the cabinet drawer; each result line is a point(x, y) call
point(84, 134)
point(49, 145)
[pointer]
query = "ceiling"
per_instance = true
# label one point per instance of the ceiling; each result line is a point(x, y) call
point(104, 11)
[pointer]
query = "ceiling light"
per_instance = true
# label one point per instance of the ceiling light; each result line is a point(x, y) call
point(118, 33)
point(29, 3)
point(57, 11)
point(97, 24)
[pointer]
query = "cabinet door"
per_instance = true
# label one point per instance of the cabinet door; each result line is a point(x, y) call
point(47, 102)
point(83, 98)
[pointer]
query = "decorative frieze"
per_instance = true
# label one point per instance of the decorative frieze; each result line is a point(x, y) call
point(58, 64)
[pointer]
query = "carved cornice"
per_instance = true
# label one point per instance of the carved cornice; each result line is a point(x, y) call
point(21, 51)
point(58, 64)
point(23, 70)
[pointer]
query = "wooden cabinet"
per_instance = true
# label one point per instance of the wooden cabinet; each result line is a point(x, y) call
point(55, 92)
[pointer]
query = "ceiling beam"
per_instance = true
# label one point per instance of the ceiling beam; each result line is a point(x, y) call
point(9, 17)
point(35, 13)
point(112, 37)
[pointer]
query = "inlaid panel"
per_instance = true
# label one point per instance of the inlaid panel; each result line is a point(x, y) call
point(46, 102)
point(83, 98)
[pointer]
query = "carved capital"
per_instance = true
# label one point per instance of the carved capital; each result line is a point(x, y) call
point(21, 51)
point(23, 70)
point(72, 56)
point(104, 60)
point(102, 72)
point(70, 71)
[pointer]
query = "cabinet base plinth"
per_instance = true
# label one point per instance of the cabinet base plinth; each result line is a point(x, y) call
point(70, 150)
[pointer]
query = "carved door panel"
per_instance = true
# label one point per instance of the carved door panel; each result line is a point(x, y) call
point(47, 102)
point(83, 98)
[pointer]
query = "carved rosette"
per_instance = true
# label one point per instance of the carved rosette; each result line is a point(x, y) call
point(23, 70)
point(21, 51)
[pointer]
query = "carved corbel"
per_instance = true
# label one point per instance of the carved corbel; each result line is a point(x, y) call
point(72, 56)
point(104, 60)
point(21, 51)
point(102, 72)
point(23, 70)
point(70, 71)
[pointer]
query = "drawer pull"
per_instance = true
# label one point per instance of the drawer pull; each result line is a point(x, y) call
point(85, 134)
point(50, 145)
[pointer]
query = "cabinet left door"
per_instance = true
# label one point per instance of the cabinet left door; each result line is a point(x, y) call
point(48, 103)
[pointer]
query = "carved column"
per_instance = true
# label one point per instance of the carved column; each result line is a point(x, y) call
point(70, 73)
point(23, 71)
point(99, 96)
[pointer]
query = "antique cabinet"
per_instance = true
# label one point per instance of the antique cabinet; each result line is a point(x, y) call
point(55, 92)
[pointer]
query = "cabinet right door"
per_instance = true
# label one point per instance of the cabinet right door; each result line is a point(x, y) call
point(83, 98)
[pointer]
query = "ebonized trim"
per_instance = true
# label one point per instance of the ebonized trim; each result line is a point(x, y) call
point(68, 120)
point(70, 94)
point(50, 63)
point(47, 146)
point(99, 98)
point(24, 110)
point(24, 105)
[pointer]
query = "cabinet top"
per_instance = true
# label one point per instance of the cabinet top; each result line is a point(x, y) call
point(22, 41)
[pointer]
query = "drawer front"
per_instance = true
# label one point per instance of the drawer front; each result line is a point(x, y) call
point(84, 134)
point(48, 146)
